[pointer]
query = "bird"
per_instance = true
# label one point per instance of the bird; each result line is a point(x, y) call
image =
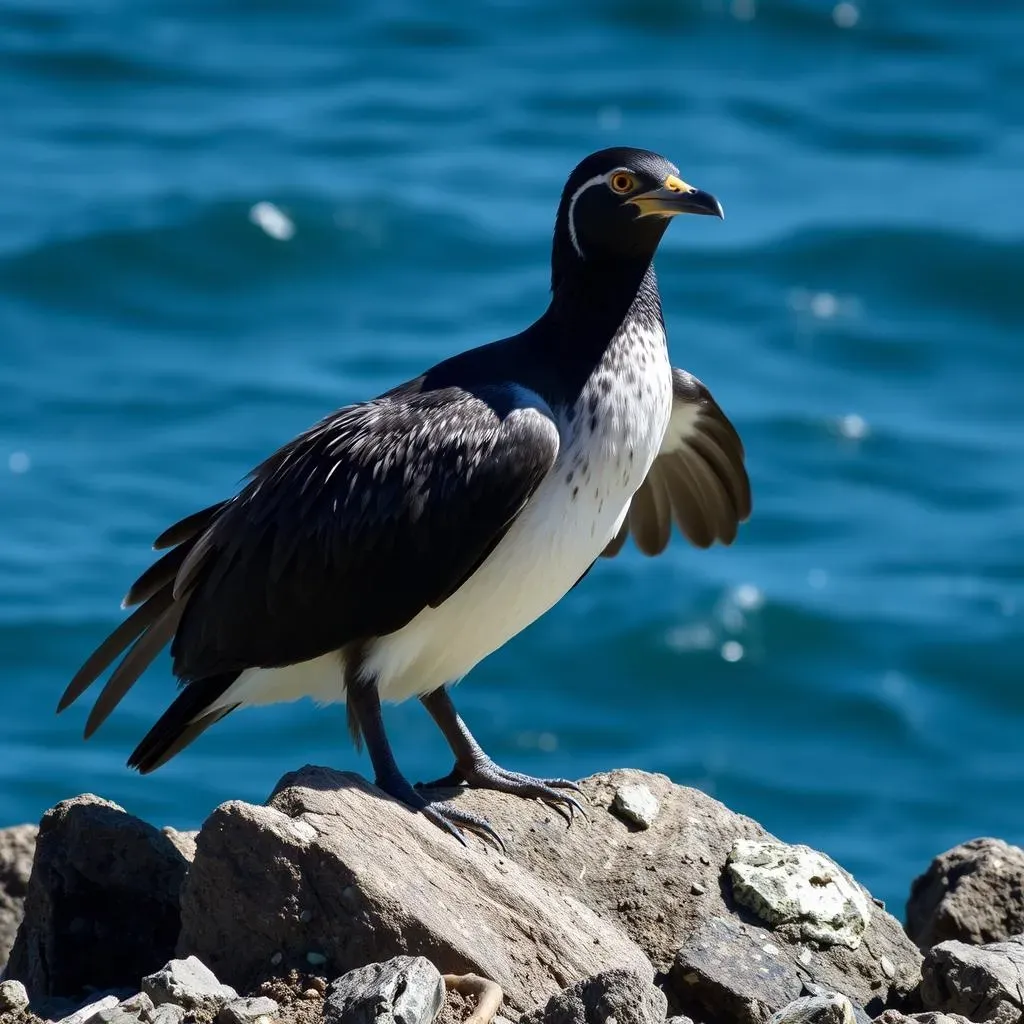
point(384, 552)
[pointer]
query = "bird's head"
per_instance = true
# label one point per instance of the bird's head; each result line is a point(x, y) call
point(617, 203)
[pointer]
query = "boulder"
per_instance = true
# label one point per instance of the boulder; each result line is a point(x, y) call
point(101, 908)
point(335, 875)
point(973, 893)
point(17, 848)
point(405, 990)
point(983, 983)
point(670, 889)
point(623, 996)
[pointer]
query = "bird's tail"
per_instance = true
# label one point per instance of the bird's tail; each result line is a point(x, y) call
point(188, 716)
point(142, 636)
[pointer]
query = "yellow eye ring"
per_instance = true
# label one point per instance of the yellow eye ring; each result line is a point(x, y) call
point(622, 182)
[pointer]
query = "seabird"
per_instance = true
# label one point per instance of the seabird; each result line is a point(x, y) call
point(385, 551)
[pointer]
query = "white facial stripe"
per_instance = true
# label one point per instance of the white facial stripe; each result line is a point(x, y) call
point(598, 179)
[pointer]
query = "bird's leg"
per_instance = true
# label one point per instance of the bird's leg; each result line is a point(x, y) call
point(474, 768)
point(365, 712)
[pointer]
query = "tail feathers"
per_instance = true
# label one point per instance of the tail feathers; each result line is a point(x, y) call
point(152, 625)
point(188, 717)
point(120, 640)
point(133, 664)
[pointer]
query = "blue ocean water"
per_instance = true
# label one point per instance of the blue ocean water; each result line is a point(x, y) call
point(223, 219)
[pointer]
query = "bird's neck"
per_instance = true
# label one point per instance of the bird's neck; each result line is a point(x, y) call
point(592, 301)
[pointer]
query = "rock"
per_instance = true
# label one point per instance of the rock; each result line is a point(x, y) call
point(140, 1005)
point(114, 1015)
point(831, 1009)
point(101, 908)
point(796, 885)
point(669, 890)
point(17, 848)
point(895, 1017)
point(623, 996)
point(13, 996)
point(680, 1019)
point(405, 990)
point(984, 983)
point(184, 841)
point(168, 1013)
point(189, 983)
point(335, 868)
point(247, 1011)
point(636, 804)
point(92, 1009)
point(973, 892)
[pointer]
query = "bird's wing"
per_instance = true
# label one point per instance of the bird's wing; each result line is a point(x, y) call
point(348, 532)
point(698, 478)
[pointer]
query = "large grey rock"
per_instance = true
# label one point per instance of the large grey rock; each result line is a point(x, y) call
point(669, 889)
point(335, 870)
point(188, 983)
point(405, 990)
point(17, 848)
point(973, 892)
point(623, 996)
point(101, 908)
point(984, 983)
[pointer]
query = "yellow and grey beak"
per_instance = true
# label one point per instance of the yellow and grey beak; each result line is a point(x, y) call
point(675, 196)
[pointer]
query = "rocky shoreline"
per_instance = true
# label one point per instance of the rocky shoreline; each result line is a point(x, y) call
point(333, 904)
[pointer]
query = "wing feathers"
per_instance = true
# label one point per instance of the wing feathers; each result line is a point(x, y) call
point(699, 477)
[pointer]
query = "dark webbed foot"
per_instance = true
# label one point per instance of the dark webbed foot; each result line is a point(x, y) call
point(444, 814)
point(480, 772)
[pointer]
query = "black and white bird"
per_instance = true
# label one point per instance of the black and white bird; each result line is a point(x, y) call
point(385, 551)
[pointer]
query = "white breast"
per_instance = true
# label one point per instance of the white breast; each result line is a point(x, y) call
point(608, 442)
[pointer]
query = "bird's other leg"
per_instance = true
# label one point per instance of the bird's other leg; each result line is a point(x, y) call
point(474, 768)
point(365, 718)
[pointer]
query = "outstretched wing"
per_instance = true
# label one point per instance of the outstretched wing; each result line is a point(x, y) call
point(698, 478)
point(348, 532)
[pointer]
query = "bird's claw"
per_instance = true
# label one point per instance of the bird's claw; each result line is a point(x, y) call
point(483, 773)
point(444, 814)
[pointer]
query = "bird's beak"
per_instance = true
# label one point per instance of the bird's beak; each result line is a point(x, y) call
point(675, 196)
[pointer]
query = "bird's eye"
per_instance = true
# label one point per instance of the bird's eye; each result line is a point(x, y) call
point(622, 182)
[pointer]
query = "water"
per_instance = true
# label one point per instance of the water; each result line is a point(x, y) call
point(848, 673)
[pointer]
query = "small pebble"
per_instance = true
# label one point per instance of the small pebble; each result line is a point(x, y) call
point(277, 958)
point(139, 1004)
point(706, 861)
point(635, 803)
point(168, 1013)
point(888, 967)
point(13, 996)
point(306, 916)
point(247, 1011)
point(805, 957)
point(697, 890)
point(316, 959)
point(311, 993)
